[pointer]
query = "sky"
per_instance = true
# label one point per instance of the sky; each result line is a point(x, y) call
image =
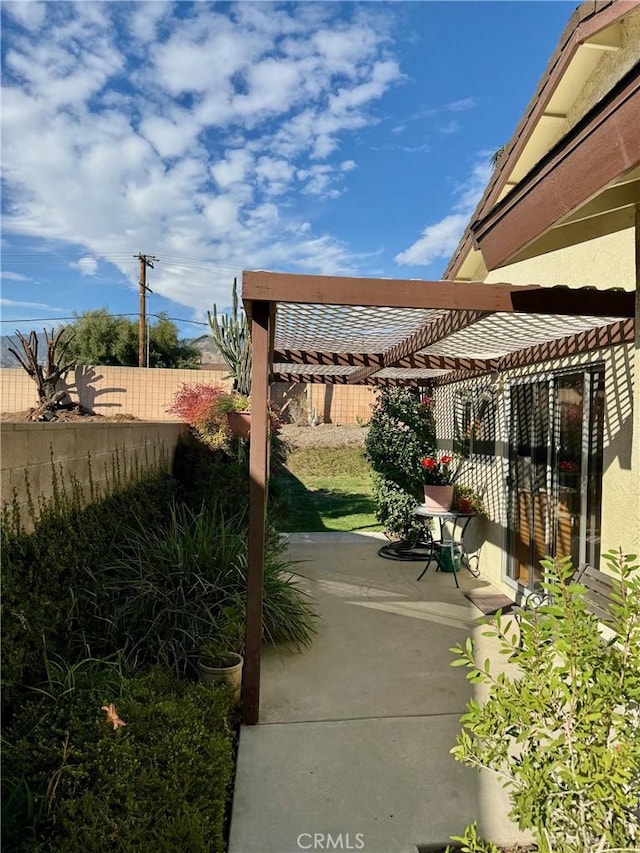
point(327, 138)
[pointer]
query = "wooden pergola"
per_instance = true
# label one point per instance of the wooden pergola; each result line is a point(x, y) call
point(308, 328)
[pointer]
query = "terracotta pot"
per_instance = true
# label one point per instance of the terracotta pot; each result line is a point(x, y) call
point(438, 498)
point(465, 505)
point(240, 423)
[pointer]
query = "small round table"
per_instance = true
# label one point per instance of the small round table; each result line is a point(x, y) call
point(453, 544)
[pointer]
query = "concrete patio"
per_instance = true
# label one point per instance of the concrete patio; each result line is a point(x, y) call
point(354, 734)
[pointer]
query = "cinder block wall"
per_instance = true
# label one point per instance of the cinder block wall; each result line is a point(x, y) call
point(146, 393)
point(342, 404)
point(143, 392)
point(80, 450)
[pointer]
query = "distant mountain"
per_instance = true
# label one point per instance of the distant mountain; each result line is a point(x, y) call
point(9, 360)
point(210, 355)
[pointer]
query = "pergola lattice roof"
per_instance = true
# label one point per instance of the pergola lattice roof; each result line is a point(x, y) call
point(383, 341)
point(379, 331)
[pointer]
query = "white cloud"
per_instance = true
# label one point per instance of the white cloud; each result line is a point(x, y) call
point(131, 127)
point(449, 127)
point(30, 15)
point(13, 303)
point(13, 276)
point(440, 239)
point(86, 265)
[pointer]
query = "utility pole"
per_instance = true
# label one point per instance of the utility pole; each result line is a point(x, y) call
point(145, 261)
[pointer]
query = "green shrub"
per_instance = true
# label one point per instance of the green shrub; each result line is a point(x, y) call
point(42, 570)
point(159, 783)
point(401, 431)
point(174, 587)
point(562, 729)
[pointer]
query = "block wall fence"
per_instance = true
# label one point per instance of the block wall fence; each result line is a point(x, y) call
point(146, 393)
point(85, 452)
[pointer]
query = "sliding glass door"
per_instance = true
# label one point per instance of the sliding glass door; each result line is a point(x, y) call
point(555, 472)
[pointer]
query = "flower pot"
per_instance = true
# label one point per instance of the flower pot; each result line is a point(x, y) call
point(438, 498)
point(230, 672)
point(240, 423)
point(465, 505)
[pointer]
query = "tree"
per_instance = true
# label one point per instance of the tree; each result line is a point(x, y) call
point(48, 374)
point(102, 338)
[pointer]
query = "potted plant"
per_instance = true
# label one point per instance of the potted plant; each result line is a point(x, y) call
point(437, 478)
point(220, 658)
point(237, 408)
point(217, 664)
point(466, 499)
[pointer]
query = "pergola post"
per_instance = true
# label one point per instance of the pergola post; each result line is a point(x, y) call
point(258, 480)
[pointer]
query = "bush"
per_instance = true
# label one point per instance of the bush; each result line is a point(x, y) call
point(159, 783)
point(42, 570)
point(197, 406)
point(563, 729)
point(175, 587)
point(401, 431)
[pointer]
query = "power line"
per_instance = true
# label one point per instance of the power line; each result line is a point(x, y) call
point(130, 314)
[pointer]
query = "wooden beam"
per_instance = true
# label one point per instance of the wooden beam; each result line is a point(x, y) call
point(341, 359)
point(446, 362)
point(620, 332)
point(459, 296)
point(600, 148)
point(258, 474)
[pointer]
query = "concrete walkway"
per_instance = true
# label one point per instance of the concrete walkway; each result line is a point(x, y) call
point(352, 749)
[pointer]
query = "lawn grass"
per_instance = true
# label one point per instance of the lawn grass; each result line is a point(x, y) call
point(328, 488)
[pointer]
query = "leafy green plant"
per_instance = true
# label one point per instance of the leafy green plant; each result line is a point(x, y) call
point(401, 431)
point(562, 726)
point(42, 569)
point(469, 494)
point(176, 587)
point(471, 843)
point(233, 402)
point(160, 782)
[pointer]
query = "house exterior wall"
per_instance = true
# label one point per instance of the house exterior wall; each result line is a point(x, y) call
point(609, 261)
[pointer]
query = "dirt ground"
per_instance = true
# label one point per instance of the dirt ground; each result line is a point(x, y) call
point(323, 435)
point(66, 416)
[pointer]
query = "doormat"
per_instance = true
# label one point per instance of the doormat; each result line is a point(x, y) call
point(490, 604)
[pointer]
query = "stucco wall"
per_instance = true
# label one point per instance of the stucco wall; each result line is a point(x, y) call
point(84, 451)
point(607, 261)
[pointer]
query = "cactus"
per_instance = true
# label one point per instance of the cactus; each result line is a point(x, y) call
point(231, 336)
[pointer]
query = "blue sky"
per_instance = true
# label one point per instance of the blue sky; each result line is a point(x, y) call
point(315, 137)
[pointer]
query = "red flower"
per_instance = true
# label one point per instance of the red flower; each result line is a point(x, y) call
point(446, 460)
point(428, 462)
